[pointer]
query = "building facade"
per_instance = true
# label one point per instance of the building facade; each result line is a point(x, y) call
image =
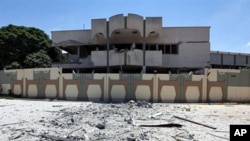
point(135, 44)
point(229, 60)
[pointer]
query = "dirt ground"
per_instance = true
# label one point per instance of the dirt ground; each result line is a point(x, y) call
point(40, 120)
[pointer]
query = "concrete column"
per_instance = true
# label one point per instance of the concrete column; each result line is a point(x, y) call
point(204, 86)
point(78, 51)
point(24, 84)
point(108, 42)
point(144, 43)
point(144, 52)
point(108, 70)
point(155, 88)
point(60, 83)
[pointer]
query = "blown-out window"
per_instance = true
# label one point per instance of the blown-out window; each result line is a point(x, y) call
point(169, 48)
point(151, 47)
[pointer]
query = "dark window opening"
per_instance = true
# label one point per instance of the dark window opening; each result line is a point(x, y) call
point(151, 47)
point(139, 46)
point(174, 49)
point(161, 47)
point(120, 47)
point(100, 47)
point(85, 51)
point(225, 66)
point(169, 49)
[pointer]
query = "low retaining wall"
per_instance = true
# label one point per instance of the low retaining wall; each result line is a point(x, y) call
point(216, 85)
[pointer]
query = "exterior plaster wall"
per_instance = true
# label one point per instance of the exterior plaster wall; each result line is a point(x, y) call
point(153, 58)
point(187, 57)
point(132, 57)
point(153, 24)
point(99, 58)
point(135, 22)
point(217, 86)
point(215, 58)
point(243, 96)
point(125, 37)
point(185, 34)
point(116, 22)
point(116, 58)
point(228, 59)
point(240, 60)
point(98, 26)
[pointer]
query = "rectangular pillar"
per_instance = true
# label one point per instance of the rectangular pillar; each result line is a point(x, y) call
point(108, 42)
point(78, 51)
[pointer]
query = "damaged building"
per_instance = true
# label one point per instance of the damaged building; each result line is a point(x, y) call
point(134, 44)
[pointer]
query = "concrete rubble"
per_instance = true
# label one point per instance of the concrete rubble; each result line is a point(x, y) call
point(35, 120)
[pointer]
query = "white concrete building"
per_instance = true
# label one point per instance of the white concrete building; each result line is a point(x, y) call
point(133, 43)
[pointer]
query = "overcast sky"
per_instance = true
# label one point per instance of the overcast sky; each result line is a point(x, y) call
point(229, 19)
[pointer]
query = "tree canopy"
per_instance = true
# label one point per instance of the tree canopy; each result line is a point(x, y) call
point(26, 47)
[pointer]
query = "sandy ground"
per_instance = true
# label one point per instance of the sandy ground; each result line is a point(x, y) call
point(40, 120)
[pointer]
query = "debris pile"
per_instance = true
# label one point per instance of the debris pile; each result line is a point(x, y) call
point(131, 121)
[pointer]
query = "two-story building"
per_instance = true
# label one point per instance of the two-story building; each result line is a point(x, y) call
point(135, 44)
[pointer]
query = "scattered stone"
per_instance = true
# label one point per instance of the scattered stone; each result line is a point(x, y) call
point(150, 105)
point(155, 115)
point(131, 102)
point(100, 126)
point(72, 120)
point(17, 135)
point(61, 110)
point(131, 137)
point(84, 130)
point(30, 130)
point(128, 120)
point(117, 121)
point(143, 104)
point(186, 135)
point(144, 136)
point(112, 106)
point(41, 120)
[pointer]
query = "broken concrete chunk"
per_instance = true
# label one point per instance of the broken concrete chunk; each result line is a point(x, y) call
point(128, 120)
point(131, 102)
point(144, 104)
point(72, 120)
point(41, 120)
point(131, 137)
point(100, 126)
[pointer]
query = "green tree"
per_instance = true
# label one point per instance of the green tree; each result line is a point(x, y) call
point(13, 65)
point(18, 42)
point(38, 59)
point(56, 55)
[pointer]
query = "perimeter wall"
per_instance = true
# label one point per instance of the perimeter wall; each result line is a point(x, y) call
point(216, 85)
